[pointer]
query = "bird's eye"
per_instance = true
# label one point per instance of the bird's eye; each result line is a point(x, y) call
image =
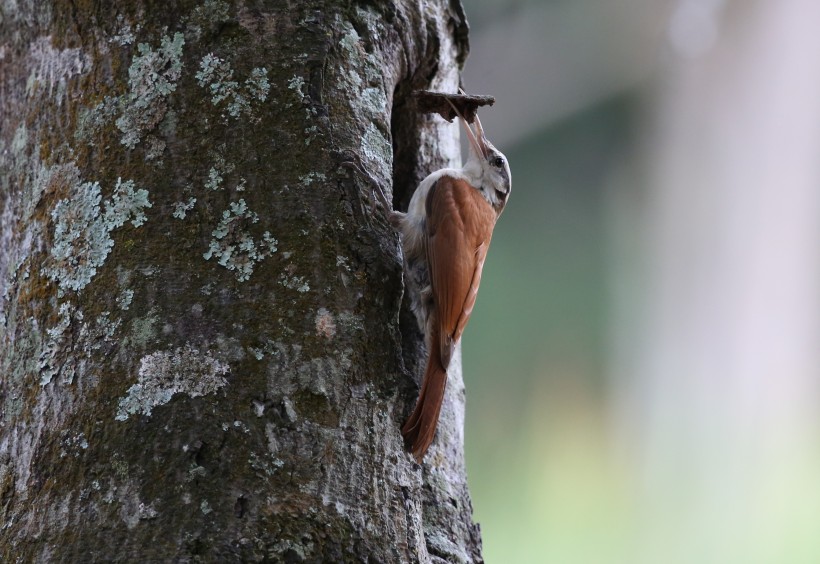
point(497, 162)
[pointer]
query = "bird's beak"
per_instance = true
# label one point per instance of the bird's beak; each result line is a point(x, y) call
point(481, 140)
point(477, 144)
point(479, 148)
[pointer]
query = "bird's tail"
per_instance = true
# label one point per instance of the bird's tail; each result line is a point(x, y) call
point(420, 428)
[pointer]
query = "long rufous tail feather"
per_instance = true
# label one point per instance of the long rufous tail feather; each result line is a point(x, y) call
point(420, 428)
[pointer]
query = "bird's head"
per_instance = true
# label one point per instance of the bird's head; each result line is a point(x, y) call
point(486, 168)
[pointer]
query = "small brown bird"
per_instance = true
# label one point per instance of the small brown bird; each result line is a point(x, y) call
point(445, 236)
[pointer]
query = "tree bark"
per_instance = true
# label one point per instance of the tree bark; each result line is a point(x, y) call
point(203, 350)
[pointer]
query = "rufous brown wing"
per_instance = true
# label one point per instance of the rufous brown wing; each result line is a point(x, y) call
point(459, 228)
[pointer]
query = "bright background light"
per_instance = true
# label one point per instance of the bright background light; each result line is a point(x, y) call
point(643, 363)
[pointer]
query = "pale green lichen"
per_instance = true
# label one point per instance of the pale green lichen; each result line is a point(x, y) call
point(214, 179)
point(164, 374)
point(47, 364)
point(216, 76)
point(257, 85)
point(297, 84)
point(103, 331)
point(91, 121)
point(238, 425)
point(125, 298)
point(24, 177)
point(219, 167)
point(207, 289)
point(350, 40)
point(312, 177)
point(375, 100)
point(72, 445)
point(295, 283)
point(126, 204)
point(375, 146)
point(196, 471)
point(354, 78)
point(143, 329)
point(234, 249)
point(181, 209)
point(82, 238)
point(125, 35)
point(268, 464)
point(86, 337)
point(152, 77)
point(310, 134)
point(363, 78)
point(364, 67)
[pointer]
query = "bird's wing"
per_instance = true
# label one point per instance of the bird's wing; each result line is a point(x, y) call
point(459, 227)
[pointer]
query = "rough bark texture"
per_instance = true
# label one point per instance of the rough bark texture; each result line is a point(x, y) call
point(201, 352)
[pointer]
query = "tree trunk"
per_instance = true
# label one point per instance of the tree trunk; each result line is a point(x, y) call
point(203, 348)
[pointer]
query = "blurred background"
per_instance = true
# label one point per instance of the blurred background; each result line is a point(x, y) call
point(642, 365)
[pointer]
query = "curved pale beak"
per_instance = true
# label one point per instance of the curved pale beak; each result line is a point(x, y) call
point(477, 142)
point(481, 139)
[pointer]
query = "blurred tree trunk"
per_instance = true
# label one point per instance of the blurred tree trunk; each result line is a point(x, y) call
point(201, 352)
point(725, 316)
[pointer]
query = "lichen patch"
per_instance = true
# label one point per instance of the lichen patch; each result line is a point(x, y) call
point(163, 374)
point(72, 341)
point(311, 177)
point(216, 76)
point(181, 209)
point(82, 239)
point(126, 205)
point(375, 146)
point(152, 77)
point(48, 359)
point(125, 34)
point(124, 299)
point(235, 249)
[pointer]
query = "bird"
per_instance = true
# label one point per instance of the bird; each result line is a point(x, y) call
point(445, 235)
